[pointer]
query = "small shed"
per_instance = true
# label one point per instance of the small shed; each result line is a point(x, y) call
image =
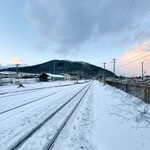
point(43, 77)
point(50, 77)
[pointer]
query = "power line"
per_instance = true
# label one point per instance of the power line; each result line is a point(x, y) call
point(124, 20)
point(138, 35)
point(133, 61)
point(127, 15)
point(143, 17)
point(141, 21)
point(135, 56)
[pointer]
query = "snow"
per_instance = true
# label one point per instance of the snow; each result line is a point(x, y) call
point(118, 131)
point(55, 75)
point(106, 119)
point(50, 128)
point(80, 126)
point(95, 128)
point(13, 87)
point(7, 72)
point(16, 123)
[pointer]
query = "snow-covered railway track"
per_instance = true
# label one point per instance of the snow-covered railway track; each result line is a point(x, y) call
point(27, 103)
point(14, 93)
point(82, 92)
point(50, 145)
point(11, 105)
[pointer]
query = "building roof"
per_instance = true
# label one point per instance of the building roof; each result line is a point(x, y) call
point(55, 75)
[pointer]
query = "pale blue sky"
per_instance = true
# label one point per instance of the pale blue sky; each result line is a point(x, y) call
point(94, 31)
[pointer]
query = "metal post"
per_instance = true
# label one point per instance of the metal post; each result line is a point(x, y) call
point(17, 70)
point(83, 69)
point(114, 62)
point(142, 72)
point(104, 78)
point(54, 66)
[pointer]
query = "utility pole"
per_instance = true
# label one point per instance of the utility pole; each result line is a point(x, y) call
point(83, 71)
point(54, 66)
point(104, 78)
point(65, 68)
point(17, 70)
point(142, 72)
point(114, 67)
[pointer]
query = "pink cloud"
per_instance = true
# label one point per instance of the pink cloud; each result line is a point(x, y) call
point(15, 60)
point(130, 62)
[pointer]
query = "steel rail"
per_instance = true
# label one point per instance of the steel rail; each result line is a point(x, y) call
point(24, 104)
point(52, 142)
point(23, 139)
point(35, 100)
point(31, 90)
point(34, 90)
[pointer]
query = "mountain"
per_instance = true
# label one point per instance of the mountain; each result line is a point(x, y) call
point(82, 69)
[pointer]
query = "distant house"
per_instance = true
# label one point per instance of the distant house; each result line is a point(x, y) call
point(50, 77)
point(66, 76)
point(74, 76)
point(146, 78)
point(27, 75)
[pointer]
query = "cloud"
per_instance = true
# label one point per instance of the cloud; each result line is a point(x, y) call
point(15, 60)
point(134, 56)
point(69, 24)
point(137, 50)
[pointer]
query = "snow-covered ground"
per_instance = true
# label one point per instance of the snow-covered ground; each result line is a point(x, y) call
point(13, 87)
point(21, 112)
point(106, 119)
